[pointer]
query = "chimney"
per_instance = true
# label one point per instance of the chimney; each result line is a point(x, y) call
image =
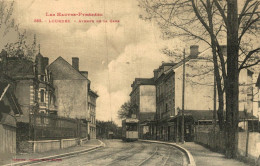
point(84, 73)
point(194, 51)
point(155, 73)
point(224, 49)
point(75, 63)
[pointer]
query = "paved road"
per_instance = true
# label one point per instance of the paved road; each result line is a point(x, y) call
point(117, 152)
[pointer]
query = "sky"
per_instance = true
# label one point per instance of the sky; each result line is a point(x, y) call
point(113, 53)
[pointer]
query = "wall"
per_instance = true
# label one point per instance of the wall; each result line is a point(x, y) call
point(92, 115)
point(198, 88)
point(48, 145)
point(253, 144)
point(147, 98)
point(7, 139)
point(207, 138)
point(72, 98)
point(22, 93)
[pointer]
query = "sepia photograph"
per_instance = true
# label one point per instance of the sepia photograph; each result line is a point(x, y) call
point(130, 82)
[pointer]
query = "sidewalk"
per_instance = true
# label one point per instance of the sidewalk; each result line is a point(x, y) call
point(204, 156)
point(34, 156)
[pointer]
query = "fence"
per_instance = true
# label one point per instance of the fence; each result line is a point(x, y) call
point(48, 132)
point(43, 127)
point(7, 139)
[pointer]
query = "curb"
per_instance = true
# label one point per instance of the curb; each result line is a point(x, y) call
point(186, 152)
point(102, 144)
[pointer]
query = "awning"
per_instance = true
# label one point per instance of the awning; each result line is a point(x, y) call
point(202, 115)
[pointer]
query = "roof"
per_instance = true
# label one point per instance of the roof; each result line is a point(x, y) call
point(6, 91)
point(93, 93)
point(141, 81)
point(208, 115)
point(17, 67)
point(144, 81)
point(201, 55)
point(62, 70)
point(158, 73)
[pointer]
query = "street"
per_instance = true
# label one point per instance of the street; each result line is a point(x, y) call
point(117, 152)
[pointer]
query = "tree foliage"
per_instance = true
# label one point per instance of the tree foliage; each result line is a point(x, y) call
point(126, 110)
point(14, 40)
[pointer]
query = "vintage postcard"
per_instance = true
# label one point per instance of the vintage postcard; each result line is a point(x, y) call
point(129, 82)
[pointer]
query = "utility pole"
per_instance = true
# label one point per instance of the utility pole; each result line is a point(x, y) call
point(215, 110)
point(183, 98)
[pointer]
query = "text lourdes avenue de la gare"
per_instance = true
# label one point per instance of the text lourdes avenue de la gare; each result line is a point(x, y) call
point(51, 18)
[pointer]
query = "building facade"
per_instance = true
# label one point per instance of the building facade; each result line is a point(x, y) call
point(71, 89)
point(46, 92)
point(33, 84)
point(199, 95)
point(164, 79)
point(92, 97)
point(142, 99)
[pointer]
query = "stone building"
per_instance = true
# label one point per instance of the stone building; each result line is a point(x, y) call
point(165, 100)
point(199, 91)
point(46, 92)
point(33, 84)
point(71, 88)
point(143, 101)
point(92, 97)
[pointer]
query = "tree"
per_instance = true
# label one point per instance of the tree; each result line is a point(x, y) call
point(14, 40)
point(126, 110)
point(211, 22)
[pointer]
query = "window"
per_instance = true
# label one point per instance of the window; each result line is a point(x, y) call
point(42, 77)
point(42, 95)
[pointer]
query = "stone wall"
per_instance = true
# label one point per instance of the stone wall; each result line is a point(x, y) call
point(217, 142)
